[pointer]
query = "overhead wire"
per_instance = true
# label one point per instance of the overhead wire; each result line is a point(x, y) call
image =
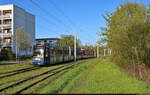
point(55, 18)
point(42, 18)
point(58, 9)
point(48, 13)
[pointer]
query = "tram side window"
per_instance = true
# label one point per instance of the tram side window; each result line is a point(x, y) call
point(72, 52)
point(59, 52)
point(53, 52)
point(66, 52)
point(46, 52)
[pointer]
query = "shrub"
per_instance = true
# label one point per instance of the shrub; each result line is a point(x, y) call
point(6, 55)
point(25, 57)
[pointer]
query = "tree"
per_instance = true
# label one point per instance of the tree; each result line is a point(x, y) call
point(3, 55)
point(127, 33)
point(68, 40)
point(27, 46)
point(6, 55)
point(21, 37)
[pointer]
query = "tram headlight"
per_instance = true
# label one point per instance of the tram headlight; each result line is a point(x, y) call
point(38, 59)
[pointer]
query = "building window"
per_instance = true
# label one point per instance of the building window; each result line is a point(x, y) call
point(7, 12)
point(8, 40)
point(8, 21)
point(7, 30)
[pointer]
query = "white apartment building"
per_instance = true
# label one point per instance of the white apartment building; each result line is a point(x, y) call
point(11, 18)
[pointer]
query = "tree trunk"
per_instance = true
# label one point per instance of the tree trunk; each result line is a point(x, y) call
point(138, 67)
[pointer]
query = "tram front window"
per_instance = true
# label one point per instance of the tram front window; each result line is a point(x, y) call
point(38, 54)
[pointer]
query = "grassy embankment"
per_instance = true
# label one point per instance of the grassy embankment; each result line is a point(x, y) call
point(14, 67)
point(69, 81)
point(13, 79)
point(7, 61)
point(104, 77)
point(107, 77)
point(24, 76)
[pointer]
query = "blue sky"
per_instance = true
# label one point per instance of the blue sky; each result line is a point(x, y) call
point(85, 14)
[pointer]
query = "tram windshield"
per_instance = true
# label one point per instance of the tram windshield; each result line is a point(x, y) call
point(38, 53)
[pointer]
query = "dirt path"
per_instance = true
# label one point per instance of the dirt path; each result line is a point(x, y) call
point(83, 79)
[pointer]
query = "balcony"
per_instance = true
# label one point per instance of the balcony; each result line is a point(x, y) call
point(6, 44)
point(6, 34)
point(5, 25)
point(6, 16)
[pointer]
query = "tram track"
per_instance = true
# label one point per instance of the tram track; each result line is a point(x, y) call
point(11, 73)
point(16, 70)
point(48, 74)
point(52, 74)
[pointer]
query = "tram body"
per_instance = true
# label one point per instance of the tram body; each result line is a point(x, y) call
point(46, 54)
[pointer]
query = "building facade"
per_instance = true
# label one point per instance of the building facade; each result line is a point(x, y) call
point(13, 17)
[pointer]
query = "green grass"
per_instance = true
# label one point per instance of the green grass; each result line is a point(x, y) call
point(36, 89)
point(75, 80)
point(7, 61)
point(14, 67)
point(13, 79)
point(67, 81)
point(106, 77)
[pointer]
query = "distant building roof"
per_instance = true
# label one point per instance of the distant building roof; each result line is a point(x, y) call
point(47, 39)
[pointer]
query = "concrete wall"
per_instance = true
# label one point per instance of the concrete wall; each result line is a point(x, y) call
point(23, 19)
point(30, 26)
point(27, 20)
point(19, 18)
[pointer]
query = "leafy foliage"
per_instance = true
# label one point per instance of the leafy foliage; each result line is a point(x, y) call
point(127, 33)
point(23, 43)
point(68, 40)
point(6, 55)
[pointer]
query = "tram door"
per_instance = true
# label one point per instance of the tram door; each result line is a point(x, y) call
point(47, 54)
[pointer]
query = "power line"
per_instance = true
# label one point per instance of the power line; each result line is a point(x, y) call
point(73, 24)
point(43, 18)
point(58, 9)
point(47, 12)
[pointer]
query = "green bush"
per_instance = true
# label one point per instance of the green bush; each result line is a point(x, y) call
point(25, 57)
point(6, 55)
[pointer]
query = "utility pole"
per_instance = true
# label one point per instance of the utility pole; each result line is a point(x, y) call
point(110, 52)
point(16, 45)
point(97, 51)
point(104, 52)
point(75, 45)
point(69, 51)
